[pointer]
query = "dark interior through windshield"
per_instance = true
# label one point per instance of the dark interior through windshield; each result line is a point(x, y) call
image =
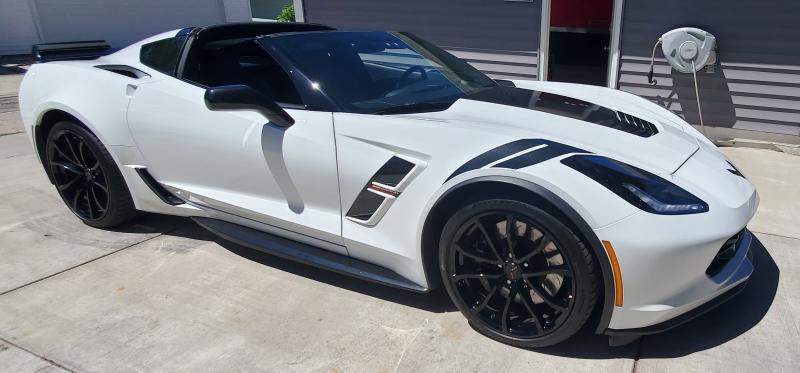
point(381, 72)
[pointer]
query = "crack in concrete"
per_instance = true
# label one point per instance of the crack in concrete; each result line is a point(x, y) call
point(777, 235)
point(638, 354)
point(49, 361)
point(84, 263)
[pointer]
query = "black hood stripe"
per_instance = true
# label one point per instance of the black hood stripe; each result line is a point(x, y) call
point(496, 154)
point(552, 150)
point(567, 107)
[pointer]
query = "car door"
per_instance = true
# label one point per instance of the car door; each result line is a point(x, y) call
point(238, 162)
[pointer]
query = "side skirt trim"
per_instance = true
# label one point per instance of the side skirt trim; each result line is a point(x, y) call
point(307, 254)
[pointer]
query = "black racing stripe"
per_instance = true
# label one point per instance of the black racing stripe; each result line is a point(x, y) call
point(565, 106)
point(499, 152)
point(552, 150)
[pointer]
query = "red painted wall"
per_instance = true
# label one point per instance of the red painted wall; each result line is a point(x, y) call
point(588, 14)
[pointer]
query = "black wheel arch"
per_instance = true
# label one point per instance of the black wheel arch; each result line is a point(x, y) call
point(486, 187)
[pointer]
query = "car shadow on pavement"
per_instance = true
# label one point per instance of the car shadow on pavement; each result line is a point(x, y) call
point(717, 326)
point(183, 227)
point(433, 302)
point(711, 329)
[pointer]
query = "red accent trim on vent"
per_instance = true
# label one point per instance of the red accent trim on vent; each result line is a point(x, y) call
point(383, 190)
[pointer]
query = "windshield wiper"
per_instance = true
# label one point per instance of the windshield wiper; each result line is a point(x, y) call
point(417, 107)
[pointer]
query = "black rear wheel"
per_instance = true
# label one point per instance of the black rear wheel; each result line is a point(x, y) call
point(86, 176)
point(518, 274)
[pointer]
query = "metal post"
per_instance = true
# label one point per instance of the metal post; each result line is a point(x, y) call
point(544, 40)
point(613, 47)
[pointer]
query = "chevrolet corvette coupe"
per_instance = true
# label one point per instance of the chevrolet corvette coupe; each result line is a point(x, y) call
point(534, 205)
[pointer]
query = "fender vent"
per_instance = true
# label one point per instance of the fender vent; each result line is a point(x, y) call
point(393, 172)
point(365, 205)
point(382, 186)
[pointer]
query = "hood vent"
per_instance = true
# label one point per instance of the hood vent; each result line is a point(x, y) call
point(567, 107)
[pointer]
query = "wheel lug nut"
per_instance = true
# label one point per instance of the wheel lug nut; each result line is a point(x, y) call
point(525, 264)
point(499, 266)
point(508, 282)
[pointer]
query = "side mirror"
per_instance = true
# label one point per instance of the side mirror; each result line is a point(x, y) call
point(242, 97)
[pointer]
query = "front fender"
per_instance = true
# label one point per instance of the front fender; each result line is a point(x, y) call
point(574, 212)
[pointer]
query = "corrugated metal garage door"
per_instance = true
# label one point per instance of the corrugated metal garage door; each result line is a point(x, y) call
point(755, 92)
point(498, 37)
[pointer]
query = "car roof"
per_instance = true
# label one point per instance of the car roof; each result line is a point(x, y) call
point(244, 29)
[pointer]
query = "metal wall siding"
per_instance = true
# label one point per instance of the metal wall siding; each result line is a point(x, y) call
point(501, 64)
point(500, 38)
point(756, 86)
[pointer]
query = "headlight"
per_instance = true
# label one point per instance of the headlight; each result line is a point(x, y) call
point(639, 187)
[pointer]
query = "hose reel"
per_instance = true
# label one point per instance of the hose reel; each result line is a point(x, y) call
point(687, 49)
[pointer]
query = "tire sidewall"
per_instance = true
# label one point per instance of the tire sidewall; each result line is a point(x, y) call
point(562, 236)
point(119, 200)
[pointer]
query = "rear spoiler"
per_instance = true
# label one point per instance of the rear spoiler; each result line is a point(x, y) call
point(74, 50)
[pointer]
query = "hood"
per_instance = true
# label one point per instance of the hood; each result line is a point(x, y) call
point(614, 128)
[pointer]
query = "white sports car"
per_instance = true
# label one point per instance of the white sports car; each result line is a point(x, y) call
point(379, 155)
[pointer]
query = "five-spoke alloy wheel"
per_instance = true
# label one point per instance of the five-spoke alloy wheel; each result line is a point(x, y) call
point(86, 176)
point(518, 274)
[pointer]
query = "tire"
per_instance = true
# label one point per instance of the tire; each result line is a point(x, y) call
point(86, 176)
point(537, 294)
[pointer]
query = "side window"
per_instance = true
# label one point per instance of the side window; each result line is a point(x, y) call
point(162, 55)
point(226, 62)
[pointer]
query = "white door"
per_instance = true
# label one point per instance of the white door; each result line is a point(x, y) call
point(239, 163)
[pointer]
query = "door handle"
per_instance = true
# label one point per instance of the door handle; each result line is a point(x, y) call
point(130, 89)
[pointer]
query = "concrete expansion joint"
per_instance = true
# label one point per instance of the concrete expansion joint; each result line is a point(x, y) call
point(82, 264)
point(49, 361)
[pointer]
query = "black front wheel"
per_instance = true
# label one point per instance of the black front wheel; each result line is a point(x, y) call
point(86, 176)
point(518, 274)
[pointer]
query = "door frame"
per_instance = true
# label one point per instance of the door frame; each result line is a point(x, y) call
point(544, 40)
point(613, 47)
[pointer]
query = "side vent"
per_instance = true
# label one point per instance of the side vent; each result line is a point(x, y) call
point(381, 191)
point(365, 205)
point(125, 70)
point(158, 189)
point(392, 172)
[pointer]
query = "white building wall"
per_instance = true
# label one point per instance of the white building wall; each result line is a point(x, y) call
point(120, 22)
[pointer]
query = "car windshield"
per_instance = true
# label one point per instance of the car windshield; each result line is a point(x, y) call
point(381, 72)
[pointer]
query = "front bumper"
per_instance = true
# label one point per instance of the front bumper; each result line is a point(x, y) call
point(733, 279)
point(664, 259)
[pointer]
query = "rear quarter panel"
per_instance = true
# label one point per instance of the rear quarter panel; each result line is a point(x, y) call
point(96, 97)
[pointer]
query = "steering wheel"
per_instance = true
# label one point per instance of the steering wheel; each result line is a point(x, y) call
point(406, 74)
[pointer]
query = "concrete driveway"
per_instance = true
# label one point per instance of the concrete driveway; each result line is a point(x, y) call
point(161, 294)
